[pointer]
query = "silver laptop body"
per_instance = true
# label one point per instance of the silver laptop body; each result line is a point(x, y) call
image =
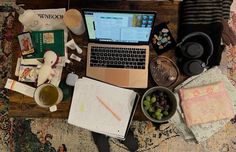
point(118, 48)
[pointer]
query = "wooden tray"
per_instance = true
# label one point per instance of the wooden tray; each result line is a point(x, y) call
point(164, 71)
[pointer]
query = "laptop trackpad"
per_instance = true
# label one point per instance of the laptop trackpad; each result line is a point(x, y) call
point(117, 77)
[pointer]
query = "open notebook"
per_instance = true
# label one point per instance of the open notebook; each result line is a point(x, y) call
point(102, 107)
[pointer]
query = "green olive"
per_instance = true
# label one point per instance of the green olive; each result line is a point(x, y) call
point(153, 99)
point(146, 102)
point(166, 113)
point(148, 98)
point(151, 109)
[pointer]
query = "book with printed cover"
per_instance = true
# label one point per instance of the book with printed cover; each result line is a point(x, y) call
point(47, 40)
point(53, 20)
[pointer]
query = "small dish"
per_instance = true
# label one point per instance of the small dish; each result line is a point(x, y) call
point(164, 71)
point(159, 104)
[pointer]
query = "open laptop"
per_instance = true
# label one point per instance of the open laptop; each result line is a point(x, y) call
point(118, 48)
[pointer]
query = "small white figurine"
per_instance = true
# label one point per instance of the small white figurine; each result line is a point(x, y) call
point(46, 71)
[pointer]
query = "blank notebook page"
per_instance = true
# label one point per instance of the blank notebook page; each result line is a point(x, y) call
point(87, 112)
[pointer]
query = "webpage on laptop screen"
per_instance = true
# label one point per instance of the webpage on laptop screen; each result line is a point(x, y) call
point(119, 27)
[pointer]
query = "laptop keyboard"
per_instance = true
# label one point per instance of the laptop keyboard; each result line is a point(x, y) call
point(111, 57)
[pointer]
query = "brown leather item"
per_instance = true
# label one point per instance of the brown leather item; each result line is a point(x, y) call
point(228, 35)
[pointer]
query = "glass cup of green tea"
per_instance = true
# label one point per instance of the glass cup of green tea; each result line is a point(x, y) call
point(48, 96)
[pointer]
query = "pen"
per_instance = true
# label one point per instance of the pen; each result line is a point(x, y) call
point(108, 108)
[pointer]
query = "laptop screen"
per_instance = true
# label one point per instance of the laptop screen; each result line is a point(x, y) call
point(119, 27)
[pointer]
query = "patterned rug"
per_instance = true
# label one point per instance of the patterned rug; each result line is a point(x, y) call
point(51, 135)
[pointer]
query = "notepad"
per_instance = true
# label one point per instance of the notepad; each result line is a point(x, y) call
point(102, 108)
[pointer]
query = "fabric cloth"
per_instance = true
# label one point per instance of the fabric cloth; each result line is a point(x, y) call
point(205, 16)
point(206, 104)
point(202, 132)
point(205, 11)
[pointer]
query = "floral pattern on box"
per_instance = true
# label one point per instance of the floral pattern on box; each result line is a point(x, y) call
point(201, 104)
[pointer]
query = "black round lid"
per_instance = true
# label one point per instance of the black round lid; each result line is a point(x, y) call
point(195, 67)
point(194, 50)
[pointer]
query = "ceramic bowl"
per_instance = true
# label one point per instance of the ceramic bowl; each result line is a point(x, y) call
point(167, 111)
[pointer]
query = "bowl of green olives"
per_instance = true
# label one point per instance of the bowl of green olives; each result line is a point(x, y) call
point(159, 104)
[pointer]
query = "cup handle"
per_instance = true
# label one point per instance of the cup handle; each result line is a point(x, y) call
point(53, 108)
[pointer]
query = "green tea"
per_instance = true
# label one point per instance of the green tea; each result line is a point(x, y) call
point(48, 95)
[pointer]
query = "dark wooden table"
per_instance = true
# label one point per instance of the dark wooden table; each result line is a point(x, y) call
point(23, 106)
